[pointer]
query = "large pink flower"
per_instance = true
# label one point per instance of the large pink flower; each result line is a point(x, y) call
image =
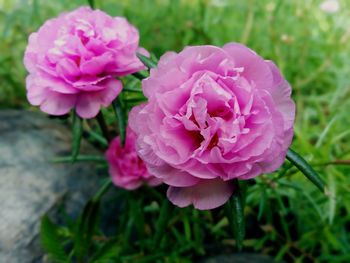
point(213, 114)
point(125, 166)
point(73, 61)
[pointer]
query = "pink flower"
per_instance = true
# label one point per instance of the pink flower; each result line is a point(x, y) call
point(125, 167)
point(73, 61)
point(213, 114)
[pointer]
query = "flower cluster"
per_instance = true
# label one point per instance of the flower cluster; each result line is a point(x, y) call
point(213, 114)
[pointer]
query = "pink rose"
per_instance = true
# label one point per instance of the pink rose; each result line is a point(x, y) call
point(73, 61)
point(125, 166)
point(213, 114)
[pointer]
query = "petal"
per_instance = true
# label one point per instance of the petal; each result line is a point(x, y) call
point(154, 181)
point(96, 65)
point(67, 69)
point(281, 94)
point(36, 94)
point(255, 68)
point(173, 176)
point(58, 104)
point(89, 103)
point(207, 194)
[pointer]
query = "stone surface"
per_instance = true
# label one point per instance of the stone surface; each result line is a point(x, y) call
point(240, 258)
point(31, 185)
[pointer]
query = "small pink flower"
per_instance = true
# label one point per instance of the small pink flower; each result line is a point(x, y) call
point(125, 167)
point(73, 61)
point(213, 114)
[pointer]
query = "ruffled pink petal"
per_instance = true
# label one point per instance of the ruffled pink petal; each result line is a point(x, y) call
point(208, 58)
point(173, 176)
point(89, 104)
point(281, 94)
point(129, 185)
point(36, 94)
point(57, 103)
point(254, 67)
point(154, 181)
point(30, 54)
point(96, 65)
point(207, 194)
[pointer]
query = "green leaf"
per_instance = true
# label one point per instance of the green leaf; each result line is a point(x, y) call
point(139, 75)
point(91, 4)
point(121, 118)
point(164, 215)
point(262, 203)
point(234, 210)
point(80, 158)
point(86, 227)
point(77, 134)
point(300, 163)
point(149, 63)
point(51, 242)
point(88, 221)
point(98, 138)
point(107, 253)
point(133, 86)
point(103, 189)
point(103, 126)
point(136, 211)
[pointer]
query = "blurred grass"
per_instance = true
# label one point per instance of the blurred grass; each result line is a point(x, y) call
point(287, 217)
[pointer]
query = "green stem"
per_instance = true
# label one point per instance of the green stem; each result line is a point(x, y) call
point(79, 158)
point(234, 210)
point(120, 113)
point(104, 128)
point(104, 188)
point(77, 134)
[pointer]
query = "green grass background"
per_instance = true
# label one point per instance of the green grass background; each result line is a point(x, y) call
point(287, 217)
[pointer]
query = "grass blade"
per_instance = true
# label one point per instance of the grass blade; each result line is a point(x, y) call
point(107, 253)
point(162, 222)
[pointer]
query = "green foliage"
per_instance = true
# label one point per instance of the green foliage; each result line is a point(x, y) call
point(106, 253)
point(162, 222)
point(286, 217)
point(51, 242)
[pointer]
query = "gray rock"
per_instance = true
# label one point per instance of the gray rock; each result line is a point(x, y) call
point(31, 185)
point(240, 258)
